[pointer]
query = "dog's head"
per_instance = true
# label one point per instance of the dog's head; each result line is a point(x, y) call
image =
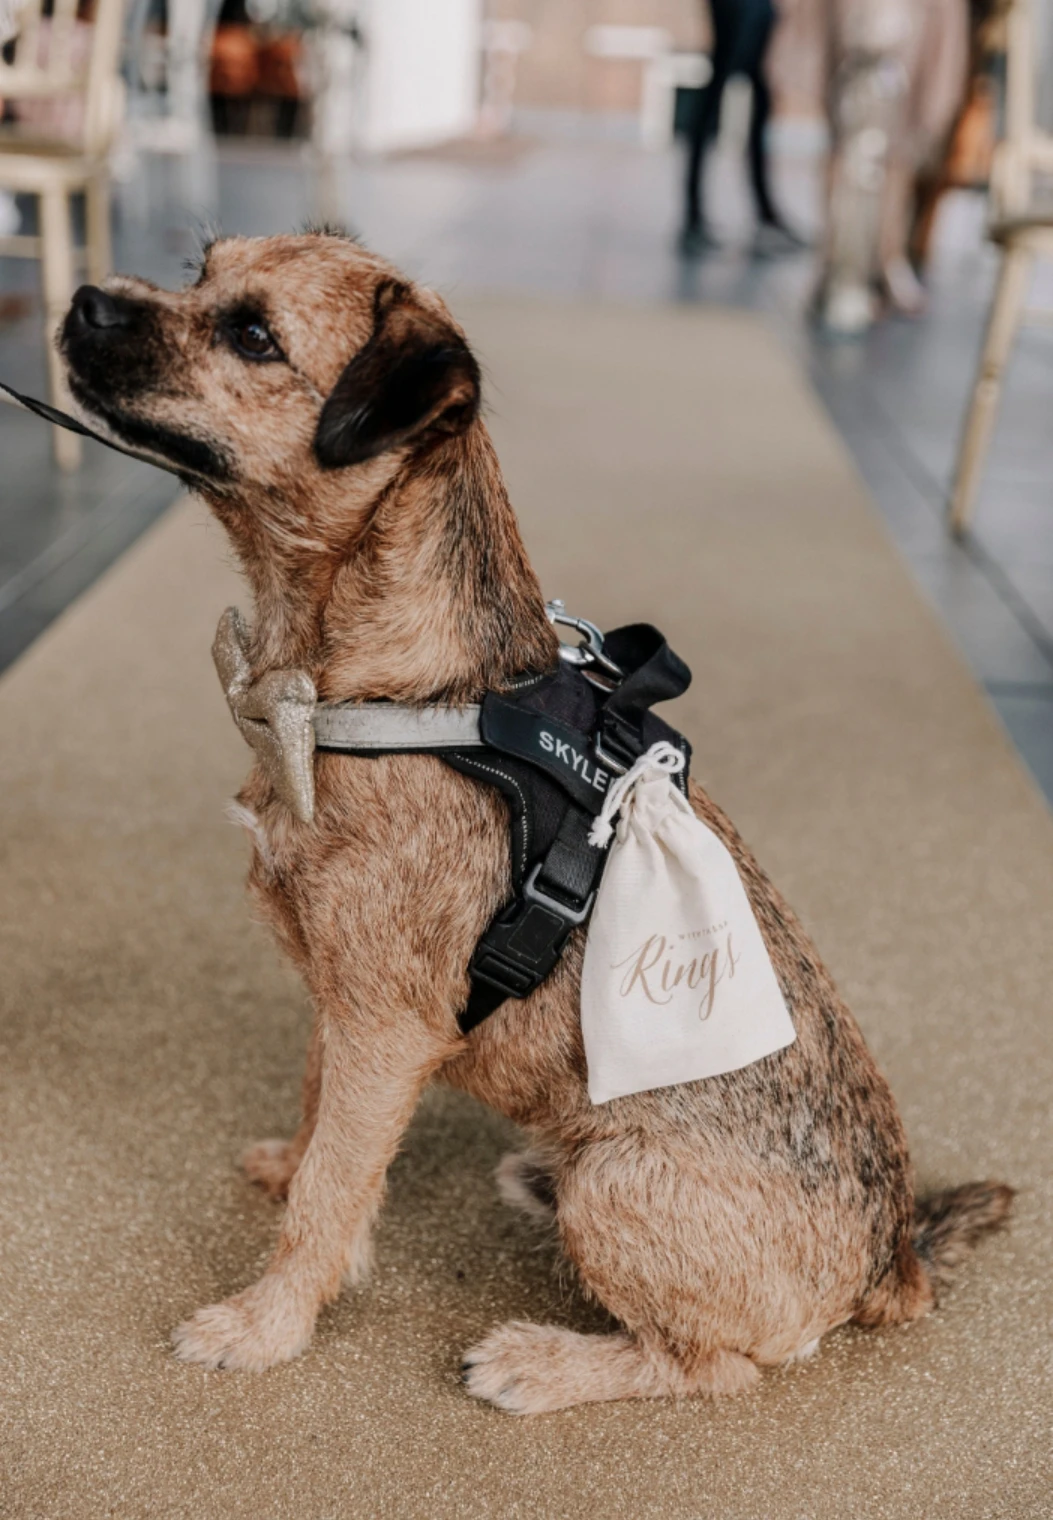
point(288, 359)
point(311, 394)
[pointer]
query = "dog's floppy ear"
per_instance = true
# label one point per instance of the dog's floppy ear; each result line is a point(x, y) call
point(415, 376)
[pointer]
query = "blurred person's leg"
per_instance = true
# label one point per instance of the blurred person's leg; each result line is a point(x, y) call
point(742, 33)
point(758, 150)
point(725, 18)
point(865, 107)
point(758, 23)
point(759, 19)
point(902, 288)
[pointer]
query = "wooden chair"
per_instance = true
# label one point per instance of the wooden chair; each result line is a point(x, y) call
point(1021, 224)
point(72, 70)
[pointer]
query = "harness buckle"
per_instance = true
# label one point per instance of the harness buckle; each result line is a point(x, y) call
point(524, 943)
point(573, 916)
point(617, 744)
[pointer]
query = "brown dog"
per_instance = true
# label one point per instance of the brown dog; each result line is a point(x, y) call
point(329, 414)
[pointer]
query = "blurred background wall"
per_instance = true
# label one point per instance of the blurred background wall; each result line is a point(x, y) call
point(559, 73)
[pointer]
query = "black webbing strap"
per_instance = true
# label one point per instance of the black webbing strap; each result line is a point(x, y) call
point(568, 872)
point(526, 939)
point(653, 674)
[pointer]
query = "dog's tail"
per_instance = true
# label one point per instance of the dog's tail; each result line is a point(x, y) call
point(947, 1225)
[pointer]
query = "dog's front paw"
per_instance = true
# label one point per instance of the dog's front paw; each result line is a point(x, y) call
point(272, 1164)
point(247, 1333)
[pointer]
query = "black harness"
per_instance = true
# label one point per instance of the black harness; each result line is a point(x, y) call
point(552, 744)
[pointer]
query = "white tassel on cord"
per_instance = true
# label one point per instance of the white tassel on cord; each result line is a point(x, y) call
point(662, 757)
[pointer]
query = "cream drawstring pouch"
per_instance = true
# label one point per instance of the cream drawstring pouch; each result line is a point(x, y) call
point(677, 983)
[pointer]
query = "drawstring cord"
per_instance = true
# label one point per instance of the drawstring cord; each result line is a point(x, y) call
point(663, 759)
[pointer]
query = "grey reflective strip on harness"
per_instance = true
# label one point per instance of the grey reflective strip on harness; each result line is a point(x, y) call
point(357, 726)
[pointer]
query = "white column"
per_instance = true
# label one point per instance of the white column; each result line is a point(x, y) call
point(423, 62)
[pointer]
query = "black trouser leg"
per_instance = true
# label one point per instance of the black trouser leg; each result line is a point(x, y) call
point(758, 153)
point(707, 115)
point(758, 24)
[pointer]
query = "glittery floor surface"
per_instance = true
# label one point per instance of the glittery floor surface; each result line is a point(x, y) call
point(667, 465)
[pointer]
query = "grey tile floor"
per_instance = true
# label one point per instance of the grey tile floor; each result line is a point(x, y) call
point(596, 221)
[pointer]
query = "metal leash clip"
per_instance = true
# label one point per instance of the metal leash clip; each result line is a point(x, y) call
point(589, 654)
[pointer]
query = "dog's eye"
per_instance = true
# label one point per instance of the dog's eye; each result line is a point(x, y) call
point(253, 341)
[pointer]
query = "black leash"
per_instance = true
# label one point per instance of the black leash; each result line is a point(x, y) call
point(64, 420)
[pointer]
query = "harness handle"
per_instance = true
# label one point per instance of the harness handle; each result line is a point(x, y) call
point(654, 674)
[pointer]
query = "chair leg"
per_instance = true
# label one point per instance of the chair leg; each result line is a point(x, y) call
point(97, 206)
point(56, 238)
point(1002, 324)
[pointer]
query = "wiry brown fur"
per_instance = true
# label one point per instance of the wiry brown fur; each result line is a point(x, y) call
point(727, 1224)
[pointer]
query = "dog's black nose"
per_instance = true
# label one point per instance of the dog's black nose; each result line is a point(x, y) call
point(93, 309)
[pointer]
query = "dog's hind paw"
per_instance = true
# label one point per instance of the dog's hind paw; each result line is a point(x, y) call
point(531, 1369)
point(517, 1368)
point(248, 1333)
point(272, 1165)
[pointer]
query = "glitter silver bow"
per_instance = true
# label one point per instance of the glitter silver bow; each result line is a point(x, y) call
point(275, 714)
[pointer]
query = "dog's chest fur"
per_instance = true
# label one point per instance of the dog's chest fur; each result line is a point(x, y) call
point(392, 883)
